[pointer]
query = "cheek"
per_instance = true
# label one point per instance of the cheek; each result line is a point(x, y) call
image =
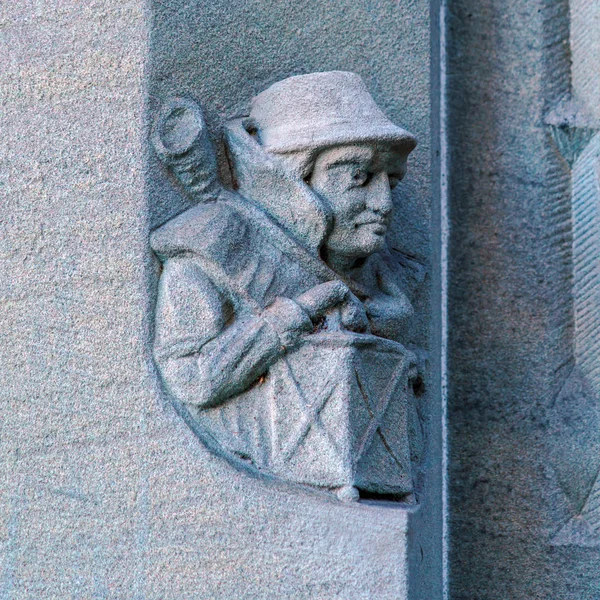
point(347, 205)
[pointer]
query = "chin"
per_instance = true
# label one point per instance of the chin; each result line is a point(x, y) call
point(372, 243)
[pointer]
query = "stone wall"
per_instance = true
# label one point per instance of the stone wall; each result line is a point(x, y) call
point(523, 412)
point(104, 491)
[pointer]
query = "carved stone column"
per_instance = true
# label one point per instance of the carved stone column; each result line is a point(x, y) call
point(523, 309)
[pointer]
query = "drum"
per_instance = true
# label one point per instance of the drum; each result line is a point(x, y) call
point(333, 413)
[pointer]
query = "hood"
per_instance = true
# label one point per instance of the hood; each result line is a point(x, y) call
point(262, 179)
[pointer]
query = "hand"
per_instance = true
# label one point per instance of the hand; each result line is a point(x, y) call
point(353, 314)
point(326, 297)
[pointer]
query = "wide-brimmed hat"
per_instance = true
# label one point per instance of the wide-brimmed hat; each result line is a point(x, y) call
point(320, 110)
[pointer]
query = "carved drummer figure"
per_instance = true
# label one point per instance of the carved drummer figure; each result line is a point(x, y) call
point(281, 319)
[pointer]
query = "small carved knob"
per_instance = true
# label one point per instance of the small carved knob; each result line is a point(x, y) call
point(179, 126)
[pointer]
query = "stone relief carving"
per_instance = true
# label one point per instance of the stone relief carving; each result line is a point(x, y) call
point(282, 317)
point(574, 415)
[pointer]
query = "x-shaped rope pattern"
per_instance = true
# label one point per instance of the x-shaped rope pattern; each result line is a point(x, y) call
point(310, 419)
point(377, 414)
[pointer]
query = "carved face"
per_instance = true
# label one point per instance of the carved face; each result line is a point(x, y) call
point(356, 181)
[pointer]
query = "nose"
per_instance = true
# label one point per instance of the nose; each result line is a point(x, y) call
point(380, 198)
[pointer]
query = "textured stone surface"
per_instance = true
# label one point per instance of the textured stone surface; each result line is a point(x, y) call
point(380, 42)
point(104, 491)
point(523, 414)
point(259, 333)
point(74, 374)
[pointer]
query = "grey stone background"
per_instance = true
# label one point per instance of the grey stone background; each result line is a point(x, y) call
point(104, 491)
point(524, 417)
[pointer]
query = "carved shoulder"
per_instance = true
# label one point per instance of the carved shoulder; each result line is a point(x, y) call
point(214, 230)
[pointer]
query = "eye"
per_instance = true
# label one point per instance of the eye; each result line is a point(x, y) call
point(360, 177)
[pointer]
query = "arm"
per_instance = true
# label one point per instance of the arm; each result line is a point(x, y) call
point(204, 352)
